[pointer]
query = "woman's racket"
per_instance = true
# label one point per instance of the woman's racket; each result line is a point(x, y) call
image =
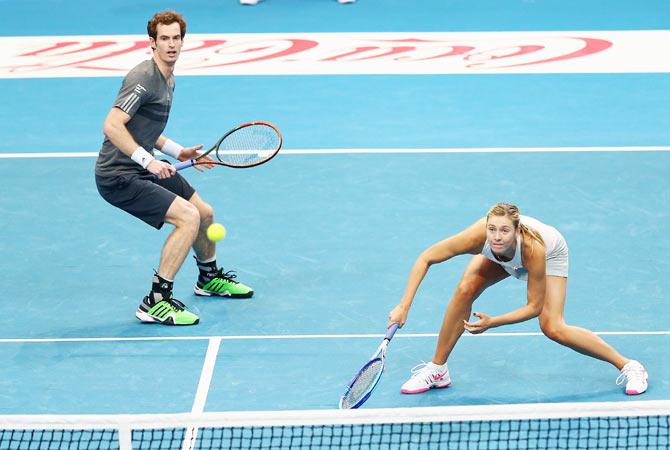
point(247, 145)
point(366, 379)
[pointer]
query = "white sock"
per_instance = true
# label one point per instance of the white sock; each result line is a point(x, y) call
point(212, 259)
point(440, 368)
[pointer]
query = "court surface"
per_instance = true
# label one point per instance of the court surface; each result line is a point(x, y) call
point(377, 166)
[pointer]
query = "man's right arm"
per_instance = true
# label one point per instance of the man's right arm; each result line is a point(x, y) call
point(115, 129)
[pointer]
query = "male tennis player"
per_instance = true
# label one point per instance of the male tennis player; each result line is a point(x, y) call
point(129, 177)
point(506, 243)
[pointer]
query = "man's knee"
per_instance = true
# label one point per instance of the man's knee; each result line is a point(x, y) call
point(184, 215)
point(205, 209)
point(206, 213)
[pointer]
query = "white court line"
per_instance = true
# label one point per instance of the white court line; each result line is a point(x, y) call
point(206, 375)
point(203, 390)
point(301, 336)
point(414, 414)
point(352, 151)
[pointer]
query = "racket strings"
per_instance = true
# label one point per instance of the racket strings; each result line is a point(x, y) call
point(248, 145)
point(365, 381)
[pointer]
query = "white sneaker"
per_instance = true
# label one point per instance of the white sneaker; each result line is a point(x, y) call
point(426, 376)
point(345, 1)
point(248, 2)
point(635, 376)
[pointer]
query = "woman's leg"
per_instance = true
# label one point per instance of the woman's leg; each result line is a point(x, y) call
point(478, 275)
point(579, 339)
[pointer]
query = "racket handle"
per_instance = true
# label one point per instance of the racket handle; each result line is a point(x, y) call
point(391, 331)
point(180, 165)
point(184, 164)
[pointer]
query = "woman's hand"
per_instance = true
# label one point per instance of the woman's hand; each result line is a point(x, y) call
point(398, 315)
point(479, 326)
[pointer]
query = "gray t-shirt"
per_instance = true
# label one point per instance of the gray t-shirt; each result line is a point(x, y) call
point(146, 97)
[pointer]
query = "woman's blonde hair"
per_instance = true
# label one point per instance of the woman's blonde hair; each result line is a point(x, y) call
point(512, 212)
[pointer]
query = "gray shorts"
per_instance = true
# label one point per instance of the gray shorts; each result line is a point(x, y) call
point(143, 196)
point(557, 263)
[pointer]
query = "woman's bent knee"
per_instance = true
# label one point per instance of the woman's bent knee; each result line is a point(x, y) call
point(467, 290)
point(553, 329)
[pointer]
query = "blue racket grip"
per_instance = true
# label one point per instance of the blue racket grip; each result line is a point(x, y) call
point(391, 331)
point(180, 165)
point(184, 164)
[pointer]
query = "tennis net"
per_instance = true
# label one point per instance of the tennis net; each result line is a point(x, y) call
point(621, 425)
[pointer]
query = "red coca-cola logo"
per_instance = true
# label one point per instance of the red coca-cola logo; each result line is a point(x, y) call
point(203, 54)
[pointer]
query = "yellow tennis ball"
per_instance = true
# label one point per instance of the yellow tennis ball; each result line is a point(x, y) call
point(216, 232)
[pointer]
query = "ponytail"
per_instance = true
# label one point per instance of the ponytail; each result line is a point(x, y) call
point(532, 233)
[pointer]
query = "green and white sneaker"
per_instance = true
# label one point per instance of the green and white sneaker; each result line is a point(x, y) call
point(168, 312)
point(223, 284)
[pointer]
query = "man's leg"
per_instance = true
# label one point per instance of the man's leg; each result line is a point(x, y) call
point(205, 249)
point(212, 280)
point(186, 220)
point(160, 305)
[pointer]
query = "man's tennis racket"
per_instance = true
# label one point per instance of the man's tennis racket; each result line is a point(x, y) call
point(366, 379)
point(247, 145)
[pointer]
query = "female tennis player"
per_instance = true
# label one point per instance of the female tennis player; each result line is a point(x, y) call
point(506, 243)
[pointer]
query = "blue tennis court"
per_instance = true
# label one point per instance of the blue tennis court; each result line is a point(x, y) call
point(380, 160)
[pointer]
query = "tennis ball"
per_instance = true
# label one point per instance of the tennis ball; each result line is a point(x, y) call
point(216, 232)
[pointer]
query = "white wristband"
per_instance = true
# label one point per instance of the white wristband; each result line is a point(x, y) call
point(171, 148)
point(142, 157)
